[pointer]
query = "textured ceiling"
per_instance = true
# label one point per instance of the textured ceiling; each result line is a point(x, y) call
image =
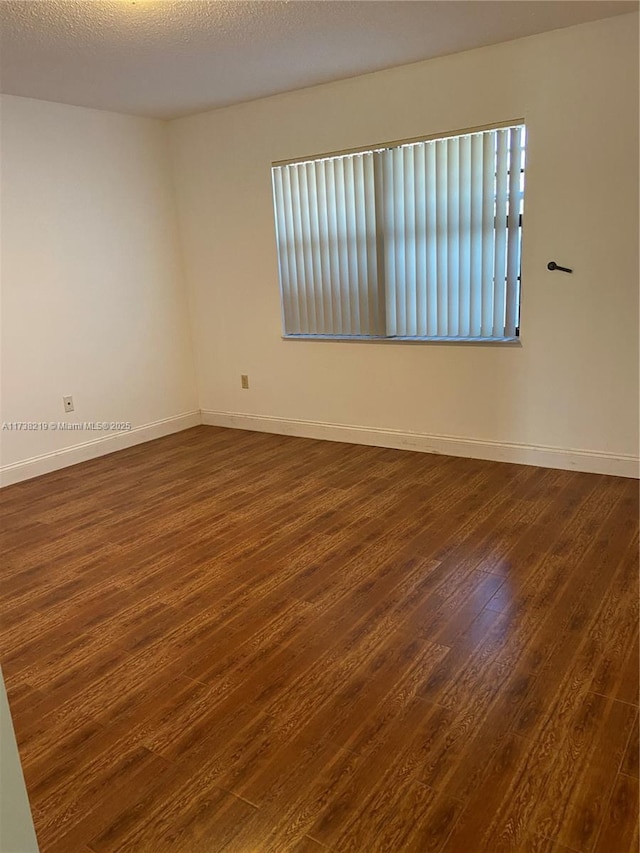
point(164, 58)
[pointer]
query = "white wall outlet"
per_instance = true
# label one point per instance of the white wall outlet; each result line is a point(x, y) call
point(244, 380)
point(68, 404)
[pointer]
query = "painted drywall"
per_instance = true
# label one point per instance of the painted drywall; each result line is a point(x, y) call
point(93, 299)
point(572, 385)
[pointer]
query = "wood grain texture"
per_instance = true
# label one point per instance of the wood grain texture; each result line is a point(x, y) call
point(236, 641)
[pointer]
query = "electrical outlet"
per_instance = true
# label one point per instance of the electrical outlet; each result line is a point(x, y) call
point(244, 381)
point(68, 404)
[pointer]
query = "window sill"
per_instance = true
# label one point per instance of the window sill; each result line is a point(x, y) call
point(365, 339)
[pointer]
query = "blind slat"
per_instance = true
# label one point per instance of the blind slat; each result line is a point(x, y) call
point(464, 261)
point(315, 249)
point(368, 162)
point(360, 293)
point(399, 241)
point(389, 205)
point(351, 246)
point(291, 253)
point(502, 178)
point(325, 250)
point(281, 238)
point(453, 235)
point(475, 290)
point(488, 229)
point(409, 328)
point(419, 165)
point(306, 247)
point(432, 239)
point(513, 232)
point(343, 247)
point(334, 247)
point(381, 261)
point(442, 253)
point(296, 228)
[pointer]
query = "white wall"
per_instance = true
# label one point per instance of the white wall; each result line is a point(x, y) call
point(572, 385)
point(93, 302)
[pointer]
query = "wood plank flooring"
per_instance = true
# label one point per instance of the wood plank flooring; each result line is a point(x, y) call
point(232, 641)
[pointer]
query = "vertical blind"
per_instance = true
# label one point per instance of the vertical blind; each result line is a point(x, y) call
point(421, 240)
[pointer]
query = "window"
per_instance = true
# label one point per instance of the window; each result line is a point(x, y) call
point(420, 241)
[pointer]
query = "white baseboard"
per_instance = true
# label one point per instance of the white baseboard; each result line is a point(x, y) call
point(524, 454)
point(37, 465)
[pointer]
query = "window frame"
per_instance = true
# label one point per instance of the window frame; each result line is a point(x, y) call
point(447, 340)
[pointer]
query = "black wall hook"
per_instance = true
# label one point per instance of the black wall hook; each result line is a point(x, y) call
point(552, 265)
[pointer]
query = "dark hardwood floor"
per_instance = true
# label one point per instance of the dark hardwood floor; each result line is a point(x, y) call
point(234, 641)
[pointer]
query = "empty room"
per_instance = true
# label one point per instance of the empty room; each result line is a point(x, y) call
point(319, 450)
